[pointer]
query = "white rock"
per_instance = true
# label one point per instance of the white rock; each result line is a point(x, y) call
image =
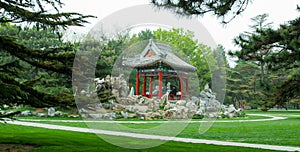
point(96, 116)
point(25, 113)
point(124, 114)
point(41, 115)
point(191, 106)
point(59, 113)
point(181, 102)
point(51, 112)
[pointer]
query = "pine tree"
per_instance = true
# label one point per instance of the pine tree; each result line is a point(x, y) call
point(220, 8)
point(241, 86)
point(15, 53)
point(259, 25)
point(284, 56)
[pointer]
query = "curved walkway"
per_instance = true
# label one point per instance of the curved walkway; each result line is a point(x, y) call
point(165, 138)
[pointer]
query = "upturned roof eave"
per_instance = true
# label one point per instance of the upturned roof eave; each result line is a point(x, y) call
point(162, 54)
point(174, 66)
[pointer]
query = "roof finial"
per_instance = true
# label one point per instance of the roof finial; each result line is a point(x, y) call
point(150, 41)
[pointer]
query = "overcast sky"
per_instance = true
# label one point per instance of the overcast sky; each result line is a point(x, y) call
point(279, 12)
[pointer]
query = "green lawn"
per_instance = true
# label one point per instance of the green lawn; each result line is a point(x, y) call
point(44, 140)
point(279, 132)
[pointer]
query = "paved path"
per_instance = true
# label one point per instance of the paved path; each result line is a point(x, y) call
point(155, 137)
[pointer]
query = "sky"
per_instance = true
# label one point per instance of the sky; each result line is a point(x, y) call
point(280, 11)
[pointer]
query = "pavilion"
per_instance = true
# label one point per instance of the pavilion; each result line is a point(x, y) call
point(157, 62)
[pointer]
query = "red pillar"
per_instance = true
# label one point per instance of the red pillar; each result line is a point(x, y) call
point(144, 86)
point(137, 83)
point(150, 87)
point(187, 86)
point(159, 84)
point(181, 86)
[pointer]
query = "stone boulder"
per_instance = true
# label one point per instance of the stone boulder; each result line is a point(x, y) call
point(25, 113)
point(51, 112)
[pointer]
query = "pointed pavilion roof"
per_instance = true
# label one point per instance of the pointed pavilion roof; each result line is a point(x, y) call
point(158, 52)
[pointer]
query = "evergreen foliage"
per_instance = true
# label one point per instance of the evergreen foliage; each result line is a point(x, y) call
point(219, 8)
point(34, 55)
point(281, 53)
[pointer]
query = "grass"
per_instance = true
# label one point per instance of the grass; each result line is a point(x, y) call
point(279, 132)
point(276, 112)
point(55, 140)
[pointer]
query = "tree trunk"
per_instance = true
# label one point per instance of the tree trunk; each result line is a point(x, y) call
point(262, 73)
